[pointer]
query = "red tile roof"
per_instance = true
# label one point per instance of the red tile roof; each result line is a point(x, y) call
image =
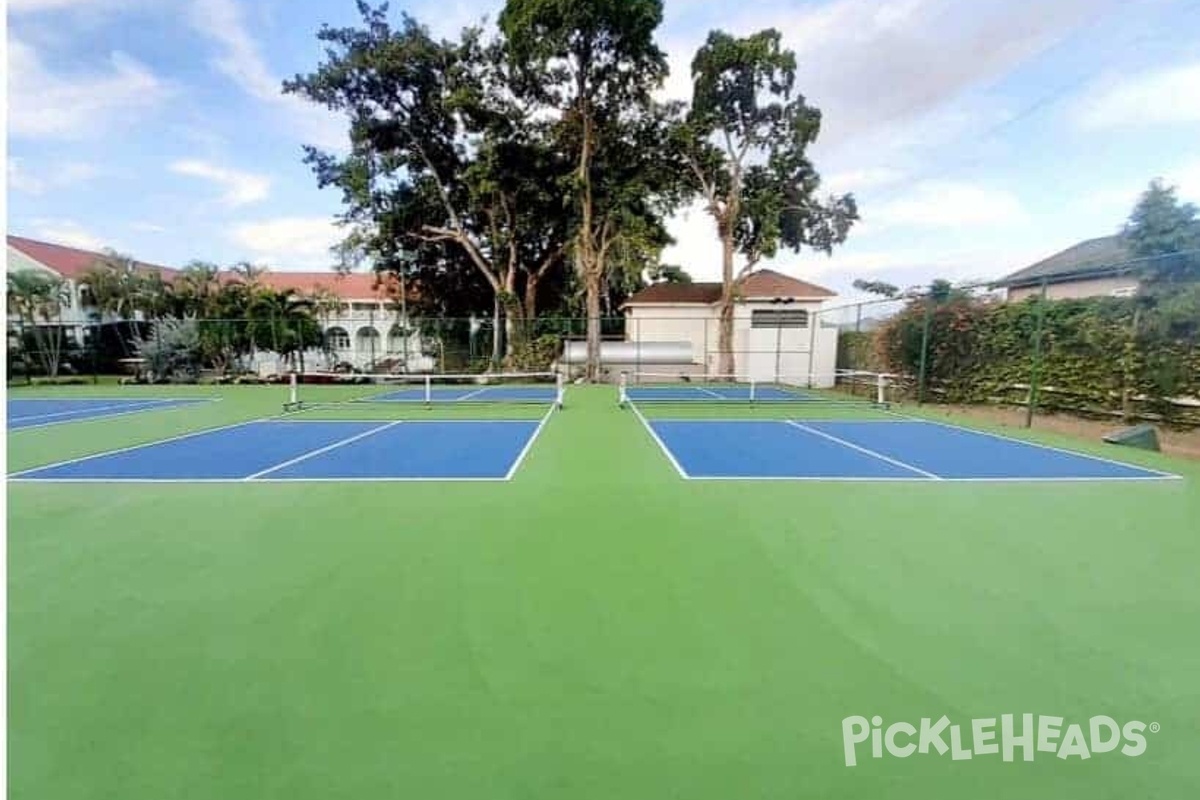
point(72, 263)
point(765, 283)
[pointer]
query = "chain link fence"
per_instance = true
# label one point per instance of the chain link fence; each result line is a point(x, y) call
point(1110, 345)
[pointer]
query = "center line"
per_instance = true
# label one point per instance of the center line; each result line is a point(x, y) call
point(319, 451)
point(853, 446)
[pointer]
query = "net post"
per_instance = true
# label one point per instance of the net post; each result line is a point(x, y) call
point(753, 384)
point(559, 389)
point(293, 391)
point(880, 393)
point(622, 389)
point(428, 390)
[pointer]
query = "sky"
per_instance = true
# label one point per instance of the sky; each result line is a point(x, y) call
point(977, 137)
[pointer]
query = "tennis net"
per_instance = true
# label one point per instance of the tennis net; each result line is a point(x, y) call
point(512, 388)
point(846, 386)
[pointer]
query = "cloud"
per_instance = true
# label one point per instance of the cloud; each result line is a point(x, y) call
point(43, 104)
point(1160, 97)
point(241, 60)
point(857, 180)
point(58, 176)
point(289, 243)
point(1187, 177)
point(67, 232)
point(241, 188)
point(948, 204)
point(867, 65)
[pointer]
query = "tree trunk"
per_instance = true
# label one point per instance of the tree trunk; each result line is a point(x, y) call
point(726, 363)
point(497, 334)
point(530, 302)
point(592, 282)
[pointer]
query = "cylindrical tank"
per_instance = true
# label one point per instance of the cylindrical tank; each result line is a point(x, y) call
point(641, 353)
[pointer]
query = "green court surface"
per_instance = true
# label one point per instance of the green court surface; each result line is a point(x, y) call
point(595, 628)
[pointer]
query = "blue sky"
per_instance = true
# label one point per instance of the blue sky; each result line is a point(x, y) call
point(977, 136)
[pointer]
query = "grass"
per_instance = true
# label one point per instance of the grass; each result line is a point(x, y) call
point(597, 628)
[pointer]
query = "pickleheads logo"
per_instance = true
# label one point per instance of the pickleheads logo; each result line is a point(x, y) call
point(1028, 734)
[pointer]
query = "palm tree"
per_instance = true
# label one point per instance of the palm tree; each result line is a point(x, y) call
point(118, 287)
point(286, 320)
point(37, 300)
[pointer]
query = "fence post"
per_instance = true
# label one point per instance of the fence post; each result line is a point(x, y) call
point(921, 377)
point(1036, 366)
point(94, 344)
point(813, 322)
point(1128, 377)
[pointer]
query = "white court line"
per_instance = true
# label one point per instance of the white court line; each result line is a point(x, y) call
point(320, 450)
point(469, 395)
point(853, 446)
point(243, 482)
point(92, 409)
point(140, 408)
point(661, 444)
point(56, 464)
point(1114, 462)
point(528, 446)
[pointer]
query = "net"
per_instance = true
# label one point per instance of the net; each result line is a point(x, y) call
point(385, 396)
point(845, 386)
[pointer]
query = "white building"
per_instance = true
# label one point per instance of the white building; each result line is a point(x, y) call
point(776, 330)
point(365, 330)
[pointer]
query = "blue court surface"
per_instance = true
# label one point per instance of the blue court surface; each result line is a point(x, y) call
point(270, 450)
point(36, 412)
point(712, 392)
point(876, 450)
point(463, 394)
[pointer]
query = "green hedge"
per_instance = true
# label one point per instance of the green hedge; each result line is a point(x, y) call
point(1095, 359)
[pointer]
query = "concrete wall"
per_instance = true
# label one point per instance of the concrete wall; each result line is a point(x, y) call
point(759, 353)
point(1074, 290)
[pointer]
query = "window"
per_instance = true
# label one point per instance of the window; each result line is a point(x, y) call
point(782, 318)
point(366, 306)
point(338, 338)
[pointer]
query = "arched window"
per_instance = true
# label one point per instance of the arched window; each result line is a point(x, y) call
point(338, 338)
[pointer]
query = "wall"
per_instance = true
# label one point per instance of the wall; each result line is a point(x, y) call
point(1094, 287)
point(759, 353)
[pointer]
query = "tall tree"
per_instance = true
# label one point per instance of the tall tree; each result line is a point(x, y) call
point(1167, 232)
point(746, 138)
point(443, 153)
point(596, 63)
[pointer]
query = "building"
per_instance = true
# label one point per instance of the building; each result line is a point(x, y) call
point(776, 331)
point(365, 329)
point(1094, 268)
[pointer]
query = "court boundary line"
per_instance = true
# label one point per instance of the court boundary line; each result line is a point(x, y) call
point(320, 450)
point(18, 477)
point(866, 451)
point(132, 403)
point(142, 409)
point(661, 444)
point(130, 448)
point(1155, 473)
point(917, 478)
point(512, 471)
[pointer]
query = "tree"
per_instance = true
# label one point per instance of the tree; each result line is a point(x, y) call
point(173, 350)
point(285, 320)
point(1167, 232)
point(668, 273)
point(443, 154)
point(881, 288)
point(745, 138)
point(36, 299)
point(120, 288)
point(596, 63)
